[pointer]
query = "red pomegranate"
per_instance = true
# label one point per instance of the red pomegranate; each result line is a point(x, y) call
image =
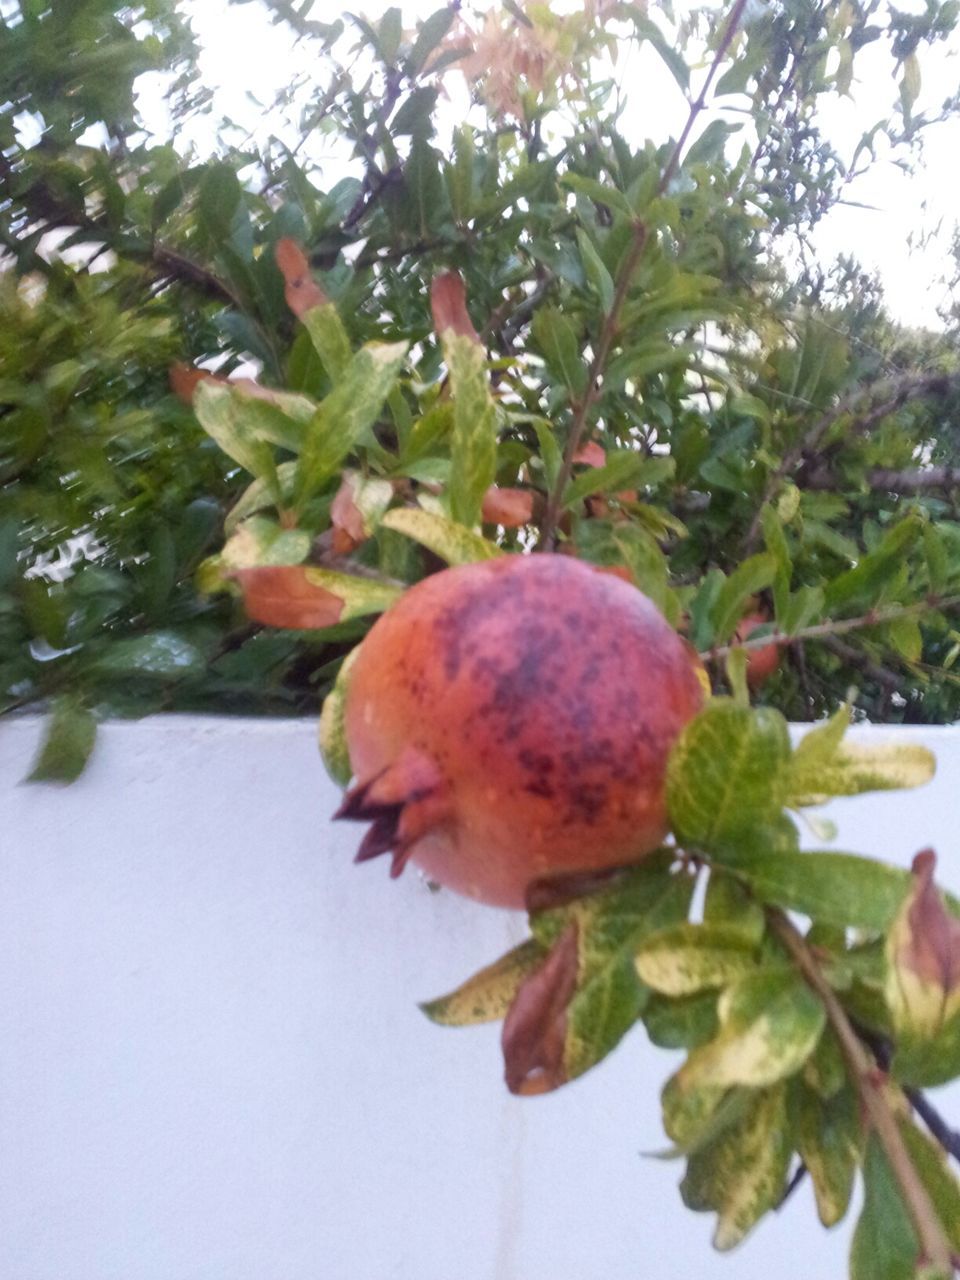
point(763, 661)
point(510, 721)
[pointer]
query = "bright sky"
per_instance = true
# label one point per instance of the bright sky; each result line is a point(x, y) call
point(244, 53)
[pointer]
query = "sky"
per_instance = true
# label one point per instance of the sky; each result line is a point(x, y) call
point(244, 54)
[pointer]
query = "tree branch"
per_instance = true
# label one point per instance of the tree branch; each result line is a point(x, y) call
point(906, 480)
point(625, 273)
point(873, 618)
point(896, 394)
point(931, 1236)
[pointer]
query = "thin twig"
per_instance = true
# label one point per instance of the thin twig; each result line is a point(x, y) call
point(869, 1084)
point(873, 618)
point(949, 1139)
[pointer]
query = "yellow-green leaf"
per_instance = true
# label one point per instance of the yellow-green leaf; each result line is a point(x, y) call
point(688, 958)
point(743, 1173)
point(67, 743)
point(487, 996)
point(360, 596)
point(828, 1135)
point(474, 442)
point(770, 1023)
point(727, 774)
point(445, 538)
point(331, 730)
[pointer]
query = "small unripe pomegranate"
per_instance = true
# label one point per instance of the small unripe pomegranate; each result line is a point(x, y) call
point(762, 662)
point(510, 721)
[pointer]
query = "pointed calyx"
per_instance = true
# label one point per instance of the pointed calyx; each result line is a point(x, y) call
point(404, 802)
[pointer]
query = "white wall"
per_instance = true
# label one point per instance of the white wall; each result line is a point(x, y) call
point(212, 1066)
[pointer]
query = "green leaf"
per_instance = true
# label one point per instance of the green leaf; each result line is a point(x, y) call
point(426, 194)
point(864, 583)
point(610, 197)
point(884, 1243)
point(596, 272)
point(672, 58)
point(742, 1175)
point(683, 1023)
point(161, 655)
point(329, 339)
point(770, 1022)
point(937, 1176)
point(347, 413)
point(689, 958)
point(474, 442)
point(729, 606)
point(446, 539)
point(727, 775)
point(910, 82)
point(488, 995)
point(360, 596)
point(776, 541)
point(623, 469)
point(828, 1140)
point(937, 557)
point(224, 418)
point(70, 733)
point(259, 542)
point(331, 733)
point(429, 34)
point(832, 888)
point(730, 905)
point(459, 175)
point(557, 340)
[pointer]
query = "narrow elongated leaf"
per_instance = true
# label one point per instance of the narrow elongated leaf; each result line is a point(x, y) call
point(833, 888)
point(726, 776)
point(743, 1173)
point(828, 1137)
point(360, 596)
point(430, 33)
point(884, 1242)
point(347, 413)
point(855, 769)
point(446, 539)
point(728, 607)
point(488, 995)
point(557, 340)
point(329, 338)
point(68, 740)
point(163, 655)
point(598, 192)
point(596, 272)
point(331, 733)
point(474, 444)
point(623, 469)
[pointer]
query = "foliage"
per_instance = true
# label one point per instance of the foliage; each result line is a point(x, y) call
point(526, 331)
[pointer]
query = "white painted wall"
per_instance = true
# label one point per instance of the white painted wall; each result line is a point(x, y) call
point(212, 1066)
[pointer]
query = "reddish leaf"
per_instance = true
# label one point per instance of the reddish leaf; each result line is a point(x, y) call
point(591, 454)
point(932, 948)
point(302, 292)
point(281, 596)
point(509, 507)
point(185, 378)
point(347, 519)
point(448, 302)
point(535, 1028)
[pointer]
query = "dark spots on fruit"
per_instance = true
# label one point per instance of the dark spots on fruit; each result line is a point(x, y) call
point(586, 801)
point(574, 621)
point(542, 787)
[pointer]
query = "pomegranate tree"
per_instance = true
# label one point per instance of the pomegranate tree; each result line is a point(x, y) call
point(510, 721)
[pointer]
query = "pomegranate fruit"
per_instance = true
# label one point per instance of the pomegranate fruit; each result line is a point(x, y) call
point(763, 661)
point(510, 721)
